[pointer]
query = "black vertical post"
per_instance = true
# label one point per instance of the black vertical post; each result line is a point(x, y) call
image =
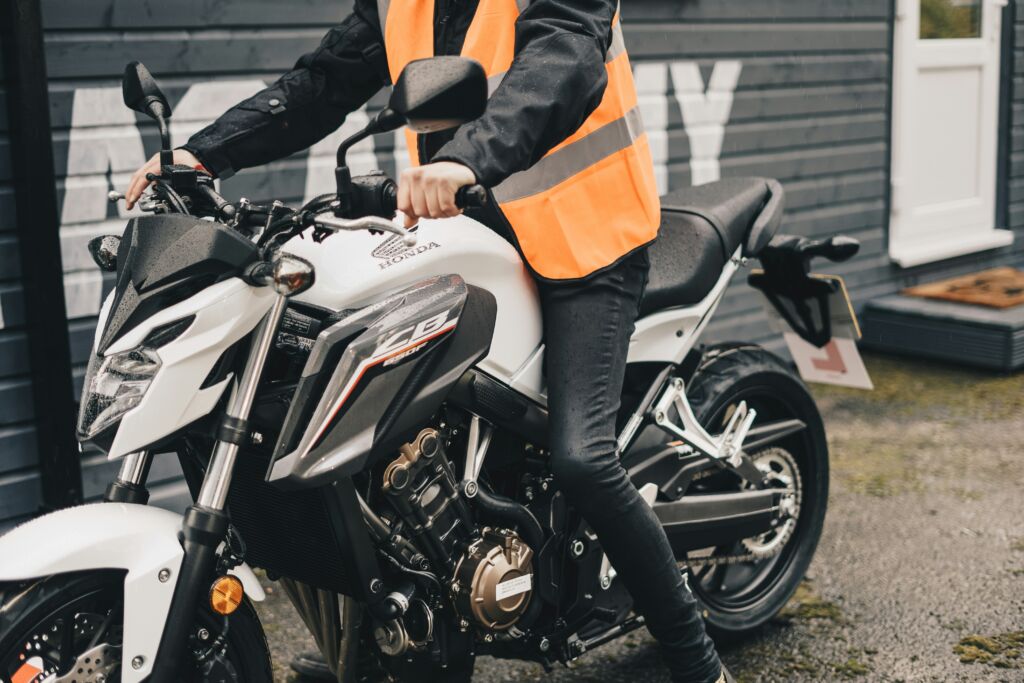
point(38, 229)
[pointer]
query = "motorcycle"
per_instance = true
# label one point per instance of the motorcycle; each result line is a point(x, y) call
point(359, 410)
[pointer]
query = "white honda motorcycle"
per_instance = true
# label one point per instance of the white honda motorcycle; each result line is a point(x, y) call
point(360, 411)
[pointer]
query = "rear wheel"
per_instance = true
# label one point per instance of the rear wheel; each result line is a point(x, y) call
point(69, 629)
point(743, 585)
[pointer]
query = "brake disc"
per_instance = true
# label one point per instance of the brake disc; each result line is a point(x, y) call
point(93, 666)
point(781, 472)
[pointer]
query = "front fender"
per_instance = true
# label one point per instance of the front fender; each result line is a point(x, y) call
point(140, 539)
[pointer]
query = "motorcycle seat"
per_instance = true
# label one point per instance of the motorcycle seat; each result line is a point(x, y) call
point(701, 229)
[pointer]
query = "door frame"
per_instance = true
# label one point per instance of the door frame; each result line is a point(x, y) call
point(913, 251)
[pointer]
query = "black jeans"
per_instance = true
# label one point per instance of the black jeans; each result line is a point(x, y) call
point(587, 327)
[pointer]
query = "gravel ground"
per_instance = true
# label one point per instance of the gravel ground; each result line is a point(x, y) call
point(920, 572)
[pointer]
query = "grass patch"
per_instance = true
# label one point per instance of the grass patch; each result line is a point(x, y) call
point(852, 668)
point(1002, 651)
point(1017, 544)
point(874, 467)
point(807, 605)
point(907, 385)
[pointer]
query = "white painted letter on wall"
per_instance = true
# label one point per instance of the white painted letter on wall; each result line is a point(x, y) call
point(705, 113)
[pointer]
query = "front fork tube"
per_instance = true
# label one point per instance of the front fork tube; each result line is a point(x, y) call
point(205, 525)
point(130, 485)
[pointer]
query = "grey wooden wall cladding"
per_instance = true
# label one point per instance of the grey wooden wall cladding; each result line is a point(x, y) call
point(19, 488)
point(794, 89)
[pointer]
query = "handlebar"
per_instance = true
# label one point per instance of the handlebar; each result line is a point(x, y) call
point(223, 207)
point(468, 197)
point(375, 201)
point(471, 197)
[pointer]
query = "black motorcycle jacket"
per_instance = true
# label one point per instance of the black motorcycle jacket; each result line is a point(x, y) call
point(556, 81)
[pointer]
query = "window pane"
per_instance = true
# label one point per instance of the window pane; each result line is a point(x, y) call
point(950, 19)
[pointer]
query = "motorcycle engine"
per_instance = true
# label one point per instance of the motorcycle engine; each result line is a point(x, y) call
point(489, 571)
point(494, 580)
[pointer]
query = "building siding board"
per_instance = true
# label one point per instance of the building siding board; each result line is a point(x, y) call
point(19, 490)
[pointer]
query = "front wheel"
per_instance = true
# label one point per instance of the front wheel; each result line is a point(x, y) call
point(68, 628)
point(743, 585)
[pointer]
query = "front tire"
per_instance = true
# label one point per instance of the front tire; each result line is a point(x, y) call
point(62, 622)
point(740, 598)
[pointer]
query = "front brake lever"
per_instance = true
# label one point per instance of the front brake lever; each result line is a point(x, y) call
point(332, 224)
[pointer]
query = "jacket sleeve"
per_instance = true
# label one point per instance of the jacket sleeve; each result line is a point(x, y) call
point(556, 81)
point(303, 106)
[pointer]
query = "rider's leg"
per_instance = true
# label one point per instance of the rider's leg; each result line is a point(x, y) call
point(587, 327)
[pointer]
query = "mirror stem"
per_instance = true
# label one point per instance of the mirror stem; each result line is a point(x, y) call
point(387, 119)
point(159, 114)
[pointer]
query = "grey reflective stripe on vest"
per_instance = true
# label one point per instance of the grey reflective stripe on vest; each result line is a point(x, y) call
point(382, 15)
point(572, 159)
point(494, 81)
point(618, 45)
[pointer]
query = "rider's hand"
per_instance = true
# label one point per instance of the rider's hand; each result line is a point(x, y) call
point(429, 191)
point(139, 183)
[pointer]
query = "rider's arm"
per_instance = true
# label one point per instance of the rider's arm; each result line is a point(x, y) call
point(304, 105)
point(556, 81)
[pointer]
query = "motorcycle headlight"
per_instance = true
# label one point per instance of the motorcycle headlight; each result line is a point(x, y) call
point(117, 383)
point(113, 386)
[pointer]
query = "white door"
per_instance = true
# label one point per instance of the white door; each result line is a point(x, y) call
point(945, 129)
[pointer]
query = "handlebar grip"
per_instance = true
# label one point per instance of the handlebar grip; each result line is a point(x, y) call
point(471, 197)
point(223, 206)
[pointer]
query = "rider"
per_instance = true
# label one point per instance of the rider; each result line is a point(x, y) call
point(562, 147)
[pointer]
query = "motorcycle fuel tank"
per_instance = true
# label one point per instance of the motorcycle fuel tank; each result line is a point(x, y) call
point(354, 269)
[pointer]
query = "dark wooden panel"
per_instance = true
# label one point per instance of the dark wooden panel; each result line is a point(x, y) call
point(19, 494)
point(737, 40)
point(15, 401)
point(173, 496)
point(10, 262)
point(6, 208)
point(103, 55)
point(18, 448)
point(81, 333)
point(795, 165)
point(808, 101)
point(13, 354)
point(12, 304)
point(5, 159)
point(98, 472)
point(791, 71)
point(824, 190)
point(758, 11)
point(135, 14)
point(761, 136)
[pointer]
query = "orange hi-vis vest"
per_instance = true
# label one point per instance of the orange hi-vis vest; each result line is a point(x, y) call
point(590, 200)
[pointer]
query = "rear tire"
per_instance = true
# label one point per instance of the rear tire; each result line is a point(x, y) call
point(31, 613)
point(726, 376)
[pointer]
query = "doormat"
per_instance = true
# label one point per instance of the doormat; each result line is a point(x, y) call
point(996, 288)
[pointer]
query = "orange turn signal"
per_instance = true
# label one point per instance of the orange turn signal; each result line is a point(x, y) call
point(226, 595)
